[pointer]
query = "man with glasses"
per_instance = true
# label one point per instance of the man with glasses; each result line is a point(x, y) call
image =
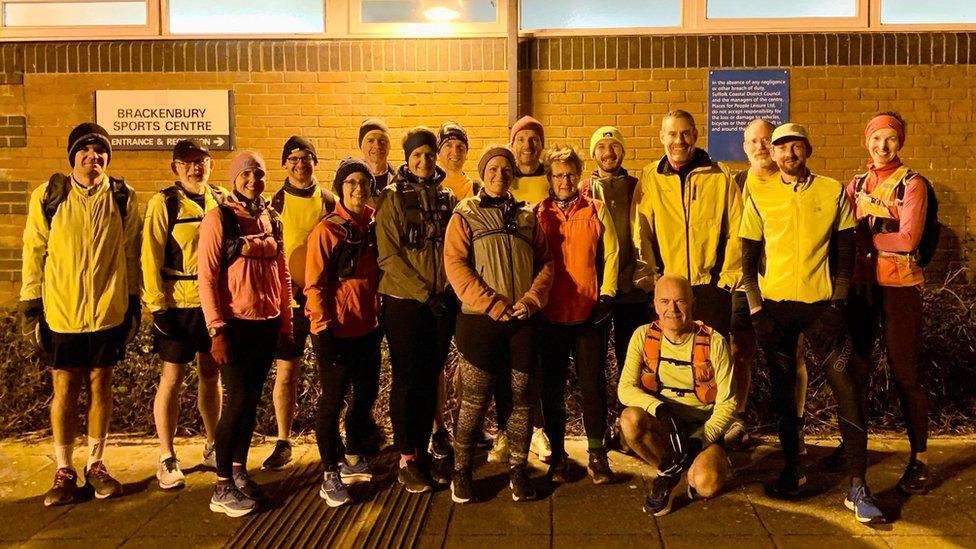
point(171, 234)
point(301, 203)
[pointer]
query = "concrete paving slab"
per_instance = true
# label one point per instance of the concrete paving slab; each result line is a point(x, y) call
point(644, 541)
point(822, 514)
point(82, 543)
point(828, 542)
point(22, 520)
point(730, 514)
point(501, 516)
point(599, 516)
point(930, 542)
point(691, 541)
point(121, 516)
point(924, 516)
point(439, 513)
point(197, 542)
point(494, 542)
point(192, 501)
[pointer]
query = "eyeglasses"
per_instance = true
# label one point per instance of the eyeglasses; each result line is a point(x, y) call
point(293, 160)
point(193, 163)
point(566, 177)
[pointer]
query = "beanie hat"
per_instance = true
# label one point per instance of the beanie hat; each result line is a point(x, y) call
point(416, 138)
point(492, 152)
point(298, 143)
point(347, 167)
point(525, 123)
point(84, 134)
point(186, 146)
point(451, 130)
point(246, 160)
point(372, 125)
point(606, 132)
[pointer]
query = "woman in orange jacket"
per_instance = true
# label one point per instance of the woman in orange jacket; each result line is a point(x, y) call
point(343, 307)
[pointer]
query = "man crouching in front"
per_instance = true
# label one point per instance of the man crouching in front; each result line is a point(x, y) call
point(678, 389)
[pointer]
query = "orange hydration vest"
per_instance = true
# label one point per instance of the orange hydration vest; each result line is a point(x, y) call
point(705, 387)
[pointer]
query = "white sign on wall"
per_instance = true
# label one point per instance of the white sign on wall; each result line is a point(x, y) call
point(140, 120)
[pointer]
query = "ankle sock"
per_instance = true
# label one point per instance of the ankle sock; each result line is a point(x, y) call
point(62, 455)
point(96, 446)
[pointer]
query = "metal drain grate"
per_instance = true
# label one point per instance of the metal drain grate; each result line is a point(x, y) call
point(384, 515)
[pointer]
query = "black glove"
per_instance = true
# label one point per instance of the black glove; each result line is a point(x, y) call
point(32, 312)
point(602, 309)
point(442, 303)
point(680, 445)
point(828, 331)
point(764, 325)
point(325, 347)
point(164, 324)
point(133, 318)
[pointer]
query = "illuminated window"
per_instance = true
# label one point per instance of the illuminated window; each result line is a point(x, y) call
point(913, 12)
point(246, 17)
point(777, 9)
point(74, 14)
point(603, 14)
point(422, 11)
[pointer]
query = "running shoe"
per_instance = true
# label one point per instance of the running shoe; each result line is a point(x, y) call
point(661, 498)
point(520, 484)
point(440, 444)
point(280, 456)
point(415, 478)
point(789, 483)
point(558, 468)
point(462, 490)
point(599, 468)
point(540, 445)
point(227, 499)
point(104, 484)
point(916, 479)
point(860, 500)
point(737, 435)
point(835, 461)
point(169, 474)
point(63, 490)
point(441, 469)
point(360, 472)
point(483, 440)
point(499, 450)
point(209, 456)
point(247, 486)
point(333, 491)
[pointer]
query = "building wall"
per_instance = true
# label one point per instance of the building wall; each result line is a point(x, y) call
point(324, 89)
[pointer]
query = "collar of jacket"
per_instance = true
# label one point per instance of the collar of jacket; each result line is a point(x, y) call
point(568, 205)
point(698, 160)
point(405, 174)
point(361, 221)
point(488, 201)
point(251, 207)
point(621, 175)
point(304, 193)
point(882, 173)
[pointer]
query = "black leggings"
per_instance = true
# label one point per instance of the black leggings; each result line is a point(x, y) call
point(419, 341)
point(357, 364)
point(494, 352)
point(252, 344)
point(588, 343)
point(849, 385)
point(900, 311)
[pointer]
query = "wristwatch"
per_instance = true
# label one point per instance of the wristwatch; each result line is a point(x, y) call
point(214, 332)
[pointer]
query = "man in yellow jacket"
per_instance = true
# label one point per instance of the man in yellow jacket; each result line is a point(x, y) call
point(688, 211)
point(80, 297)
point(170, 240)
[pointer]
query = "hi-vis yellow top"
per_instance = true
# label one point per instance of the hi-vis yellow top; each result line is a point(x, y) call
point(87, 264)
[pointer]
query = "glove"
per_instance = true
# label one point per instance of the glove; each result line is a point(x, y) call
point(325, 347)
point(679, 445)
point(133, 318)
point(828, 331)
point(764, 325)
point(220, 348)
point(163, 324)
point(442, 303)
point(32, 311)
point(286, 342)
point(602, 309)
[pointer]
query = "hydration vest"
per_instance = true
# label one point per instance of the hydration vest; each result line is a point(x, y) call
point(234, 237)
point(59, 185)
point(704, 388)
point(345, 257)
point(424, 225)
point(328, 200)
point(173, 253)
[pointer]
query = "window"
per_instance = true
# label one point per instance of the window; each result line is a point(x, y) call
point(72, 14)
point(913, 12)
point(246, 17)
point(777, 9)
point(429, 11)
point(590, 14)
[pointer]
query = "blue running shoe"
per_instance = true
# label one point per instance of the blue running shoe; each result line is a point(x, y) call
point(333, 491)
point(860, 501)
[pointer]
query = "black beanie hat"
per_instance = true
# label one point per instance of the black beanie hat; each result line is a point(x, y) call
point(86, 134)
point(416, 138)
point(298, 143)
point(451, 130)
point(372, 124)
point(347, 167)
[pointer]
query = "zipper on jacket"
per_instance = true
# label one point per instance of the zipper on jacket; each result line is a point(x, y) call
point(688, 225)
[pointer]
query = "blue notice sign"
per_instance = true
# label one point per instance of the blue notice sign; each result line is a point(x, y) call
point(737, 97)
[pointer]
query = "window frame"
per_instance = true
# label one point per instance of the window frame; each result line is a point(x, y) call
point(356, 28)
point(167, 34)
point(52, 33)
point(877, 25)
point(702, 24)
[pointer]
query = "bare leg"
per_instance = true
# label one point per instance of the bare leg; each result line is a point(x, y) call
point(710, 471)
point(643, 435)
point(166, 405)
point(64, 405)
point(286, 394)
point(743, 353)
point(209, 396)
point(100, 411)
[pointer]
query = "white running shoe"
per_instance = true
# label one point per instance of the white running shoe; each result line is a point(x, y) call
point(499, 450)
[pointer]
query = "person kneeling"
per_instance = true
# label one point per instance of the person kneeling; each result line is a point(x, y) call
point(677, 410)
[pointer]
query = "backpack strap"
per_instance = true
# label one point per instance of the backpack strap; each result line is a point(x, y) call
point(121, 194)
point(278, 200)
point(652, 356)
point(58, 187)
point(740, 178)
point(329, 200)
point(232, 236)
point(705, 387)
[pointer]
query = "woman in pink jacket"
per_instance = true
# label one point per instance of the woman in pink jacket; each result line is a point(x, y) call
point(245, 293)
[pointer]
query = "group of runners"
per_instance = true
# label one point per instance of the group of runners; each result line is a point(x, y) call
point(532, 262)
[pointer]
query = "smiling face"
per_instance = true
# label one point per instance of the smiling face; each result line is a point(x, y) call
point(609, 155)
point(250, 183)
point(791, 156)
point(564, 178)
point(499, 174)
point(673, 303)
point(755, 143)
point(452, 155)
point(422, 161)
point(90, 161)
point(299, 166)
point(678, 135)
point(883, 146)
point(355, 191)
point(193, 169)
point(527, 147)
point(376, 149)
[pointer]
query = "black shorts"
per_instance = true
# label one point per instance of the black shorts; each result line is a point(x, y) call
point(301, 327)
point(100, 349)
point(713, 306)
point(741, 318)
point(192, 337)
